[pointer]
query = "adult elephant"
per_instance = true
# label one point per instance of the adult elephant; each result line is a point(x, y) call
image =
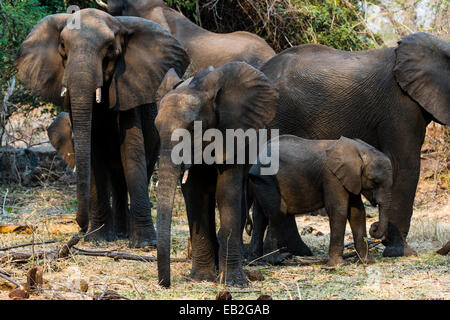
point(233, 96)
point(205, 48)
point(108, 70)
point(386, 97)
point(60, 136)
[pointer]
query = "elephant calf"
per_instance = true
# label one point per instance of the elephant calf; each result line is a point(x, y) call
point(328, 174)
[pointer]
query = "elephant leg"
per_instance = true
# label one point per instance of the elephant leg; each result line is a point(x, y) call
point(229, 190)
point(406, 164)
point(337, 206)
point(338, 220)
point(120, 208)
point(260, 224)
point(100, 213)
point(357, 219)
point(285, 237)
point(403, 193)
point(199, 195)
point(294, 241)
point(293, 244)
point(132, 150)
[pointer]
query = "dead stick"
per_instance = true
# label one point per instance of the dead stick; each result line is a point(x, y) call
point(4, 276)
point(118, 255)
point(369, 241)
point(27, 244)
point(58, 253)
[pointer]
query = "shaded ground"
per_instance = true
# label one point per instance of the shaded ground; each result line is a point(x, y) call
point(50, 210)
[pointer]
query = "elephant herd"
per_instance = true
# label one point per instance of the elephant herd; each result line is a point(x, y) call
point(351, 124)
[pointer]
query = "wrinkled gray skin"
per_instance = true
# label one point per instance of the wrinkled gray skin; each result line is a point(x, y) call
point(205, 48)
point(60, 135)
point(327, 174)
point(232, 96)
point(385, 97)
point(124, 59)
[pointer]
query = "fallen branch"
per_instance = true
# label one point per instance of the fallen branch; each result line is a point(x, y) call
point(27, 244)
point(7, 278)
point(121, 256)
point(58, 253)
point(369, 242)
point(263, 256)
point(21, 257)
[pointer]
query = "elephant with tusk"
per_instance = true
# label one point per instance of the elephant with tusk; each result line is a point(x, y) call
point(106, 74)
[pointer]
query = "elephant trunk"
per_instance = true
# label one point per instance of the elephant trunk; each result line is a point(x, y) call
point(168, 174)
point(379, 229)
point(81, 99)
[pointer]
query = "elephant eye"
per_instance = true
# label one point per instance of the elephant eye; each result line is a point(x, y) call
point(111, 48)
point(62, 49)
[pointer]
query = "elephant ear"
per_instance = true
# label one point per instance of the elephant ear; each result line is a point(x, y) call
point(60, 135)
point(344, 160)
point(422, 69)
point(149, 52)
point(170, 81)
point(39, 64)
point(242, 95)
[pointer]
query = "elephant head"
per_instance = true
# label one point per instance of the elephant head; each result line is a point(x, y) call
point(233, 96)
point(422, 69)
point(363, 169)
point(60, 135)
point(106, 62)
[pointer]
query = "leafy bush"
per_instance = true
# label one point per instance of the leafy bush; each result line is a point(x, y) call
point(284, 23)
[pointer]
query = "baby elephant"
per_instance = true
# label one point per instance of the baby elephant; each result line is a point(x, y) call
point(330, 174)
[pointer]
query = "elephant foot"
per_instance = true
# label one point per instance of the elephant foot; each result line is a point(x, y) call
point(103, 234)
point(399, 251)
point(203, 275)
point(395, 244)
point(143, 237)
point(122, 235)
point(82, 222)
point(301, 250)
point(276, 258)
point(335, 261)
point(234, 277)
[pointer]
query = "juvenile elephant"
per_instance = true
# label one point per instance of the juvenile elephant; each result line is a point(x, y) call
point(106, 71)
point(205, 48)
point(329, 174)
point(385, 97)
point(233, 96)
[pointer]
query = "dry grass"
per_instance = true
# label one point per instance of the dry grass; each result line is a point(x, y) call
point(50, 210)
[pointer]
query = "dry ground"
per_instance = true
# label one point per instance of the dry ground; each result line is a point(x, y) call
point(50, 209)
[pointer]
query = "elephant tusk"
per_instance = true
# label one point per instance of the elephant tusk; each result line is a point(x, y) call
point(102, 4)
point(63, 91)
point(98, 95)
point(75, 169)
point(185, 176)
